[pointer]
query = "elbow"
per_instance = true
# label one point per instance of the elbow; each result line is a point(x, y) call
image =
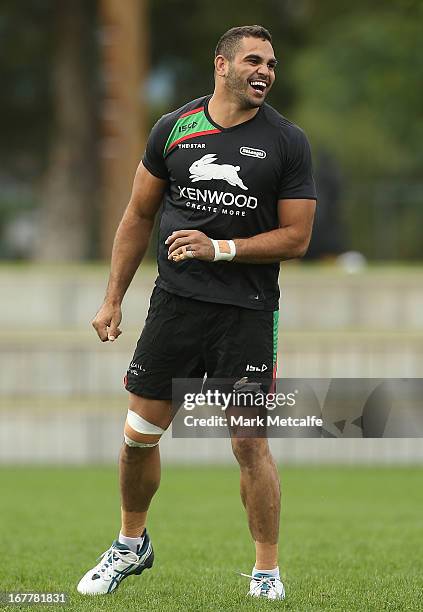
point(300, 249)
point(297, 241)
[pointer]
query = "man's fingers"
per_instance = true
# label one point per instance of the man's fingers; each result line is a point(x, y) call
point(113, 330)
point(113, 333)
point(106, 333)
point(185, 244)
point(179, 242)
point(106, 323)
point(177, 234)
point(182, 253)
point(101, 329)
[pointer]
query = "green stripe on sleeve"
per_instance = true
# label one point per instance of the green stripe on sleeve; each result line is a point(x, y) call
point(188, 126)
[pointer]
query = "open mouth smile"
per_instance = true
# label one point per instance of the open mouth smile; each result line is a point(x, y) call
point(259, 86)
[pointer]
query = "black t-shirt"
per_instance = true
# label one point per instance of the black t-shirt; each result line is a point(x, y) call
point(225, 182)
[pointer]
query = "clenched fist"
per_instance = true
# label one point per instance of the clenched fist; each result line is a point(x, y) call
point(106, 322)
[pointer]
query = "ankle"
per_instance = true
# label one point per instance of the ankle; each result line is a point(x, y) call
point(133, 544)
point(266, 555)
point(272, 571)
point(132, 523)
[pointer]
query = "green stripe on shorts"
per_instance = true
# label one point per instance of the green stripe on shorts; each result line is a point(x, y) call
point(275, 335)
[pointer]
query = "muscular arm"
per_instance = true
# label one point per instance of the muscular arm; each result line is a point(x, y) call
point(290, 240)
point(129, 246)
point(133, 233)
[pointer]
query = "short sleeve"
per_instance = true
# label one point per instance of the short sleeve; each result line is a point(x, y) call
point(153, 158)
point(297, 178)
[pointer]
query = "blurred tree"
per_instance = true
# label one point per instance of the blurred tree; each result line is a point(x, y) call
point(184, 44)
point(365, 102)
point(359, 86)
point(349, 73)
point(26, 44)
point(68, 187)
point(125, 60)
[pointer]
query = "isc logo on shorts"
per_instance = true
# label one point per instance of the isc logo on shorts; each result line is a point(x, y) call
point(250, 152)
point(252, 368)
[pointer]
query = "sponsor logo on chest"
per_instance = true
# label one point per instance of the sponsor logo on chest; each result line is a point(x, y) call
point(211, 196)
point(207, 168)
point(191, 145)
point(186, 127)
point(251, 152)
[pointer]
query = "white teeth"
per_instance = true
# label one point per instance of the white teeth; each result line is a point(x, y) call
point(261, 83)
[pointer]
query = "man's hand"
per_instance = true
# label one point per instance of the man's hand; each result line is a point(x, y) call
point(106, 322)
point(189, 244)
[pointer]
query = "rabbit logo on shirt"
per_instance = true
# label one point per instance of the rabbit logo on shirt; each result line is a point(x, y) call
point(205, 169)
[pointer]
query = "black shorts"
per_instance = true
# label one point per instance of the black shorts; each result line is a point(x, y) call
point(186, 338)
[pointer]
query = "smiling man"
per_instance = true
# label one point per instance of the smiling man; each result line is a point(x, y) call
point(238, 197)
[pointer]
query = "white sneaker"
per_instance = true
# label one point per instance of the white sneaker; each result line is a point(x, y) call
point(117, 563)
point(263, 585)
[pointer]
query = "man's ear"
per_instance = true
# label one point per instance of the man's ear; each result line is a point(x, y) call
point(220, 65)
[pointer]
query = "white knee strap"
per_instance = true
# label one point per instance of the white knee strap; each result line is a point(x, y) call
point(140, 425)
point(134, 444)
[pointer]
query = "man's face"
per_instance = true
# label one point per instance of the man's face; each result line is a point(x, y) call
point(251, 73)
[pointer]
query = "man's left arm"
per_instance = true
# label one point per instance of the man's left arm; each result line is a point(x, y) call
point(289, 241)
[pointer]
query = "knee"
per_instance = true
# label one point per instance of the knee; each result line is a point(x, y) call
point(140, 433)
point(250, 451)
point(134, 456)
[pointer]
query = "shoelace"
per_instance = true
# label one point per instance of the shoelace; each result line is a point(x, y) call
point(261, 582)
point(113, 555)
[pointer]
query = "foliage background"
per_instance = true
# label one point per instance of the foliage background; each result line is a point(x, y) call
point(349, 73)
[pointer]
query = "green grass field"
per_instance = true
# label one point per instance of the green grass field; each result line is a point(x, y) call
point(351, 538)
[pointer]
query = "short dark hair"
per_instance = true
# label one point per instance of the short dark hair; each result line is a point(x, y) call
point(229, 42)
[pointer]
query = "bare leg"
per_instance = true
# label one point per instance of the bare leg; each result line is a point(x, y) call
point(139, 476)
point(260, 494)
point(139, 468)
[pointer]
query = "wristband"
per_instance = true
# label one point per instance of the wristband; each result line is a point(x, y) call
point(224, 250)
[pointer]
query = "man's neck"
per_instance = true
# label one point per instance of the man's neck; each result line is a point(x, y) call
point(226, 112)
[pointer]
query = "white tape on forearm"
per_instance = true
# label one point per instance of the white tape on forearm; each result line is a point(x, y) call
point(219, 256)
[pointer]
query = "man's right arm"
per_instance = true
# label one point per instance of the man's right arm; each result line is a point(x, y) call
point(129, 246)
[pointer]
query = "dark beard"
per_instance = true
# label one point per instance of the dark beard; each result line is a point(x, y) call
point(238, 87)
